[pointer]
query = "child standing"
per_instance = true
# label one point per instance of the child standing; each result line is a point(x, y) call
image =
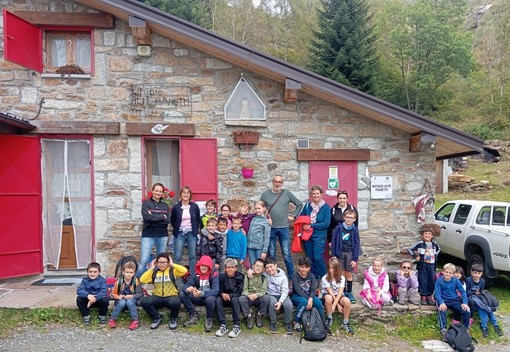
point(446, 288)
point(255, 286)
point(210, 208)
point(201, 290)
point(475, 285)
point(425, 252)
point(333, 284)
point(345, 246)
point(407, 284)
point(127, 292)
point(376, 286)
point(225, 214)
point(304, 297)
point(211, 243)
point(221, 230)
point(236, 242)
point(92, 294)
point(258, 234)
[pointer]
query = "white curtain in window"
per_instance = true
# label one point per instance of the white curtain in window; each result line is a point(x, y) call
point(162, 170)
point(66, 174)
point(83, 51)
point(58, 51)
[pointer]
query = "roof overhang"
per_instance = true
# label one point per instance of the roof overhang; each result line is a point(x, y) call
point(449, 143)
point(11, 124)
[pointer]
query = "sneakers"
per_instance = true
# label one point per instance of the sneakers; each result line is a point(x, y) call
point(208, 324)
point(430, 301)
point(288, 329)
point(155, 323)
point(498, 330)
point(351, 297)
point(347, 327)
point(102, 319)
point(329, 322)
point(485, 332)
point(423, 300)
point(134, 325)
point(172, 325)
point(297, 326)
point(86, 320)
point(193, 319)
point(444, 332)
point(112, 324)
point(235, 331)
point(222, 330)
point(250, 322)
point(272, 328)
point(259, 321)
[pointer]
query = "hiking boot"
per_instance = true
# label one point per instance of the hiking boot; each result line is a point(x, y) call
point(112, 324)
point(423, 300)
point(351, 297)
point(485, 332)
point(86, 320)
point(172, 325)
point(401, 301)
point(414, 301)
point(102, 319)
point(288, 329)
point(498, 330)
point(329, 322)
point(272, 328)
point(250, 322)
point(208, 324)
point(297, 326)
point(430, 301)
point(155, 323)
point(222, 330)
point(235, 331)
point(259, 320)
point(444, 332)
point(134, 325)
point(348, 329)
point(193, 319)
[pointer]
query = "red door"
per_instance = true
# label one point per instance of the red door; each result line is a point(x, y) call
point(20, 208)
point(346, 172)
point(199, 168)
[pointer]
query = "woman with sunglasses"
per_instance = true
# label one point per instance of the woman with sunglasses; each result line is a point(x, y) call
point(337, 212)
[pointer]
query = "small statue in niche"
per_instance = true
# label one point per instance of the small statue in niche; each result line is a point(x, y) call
point(245, 110)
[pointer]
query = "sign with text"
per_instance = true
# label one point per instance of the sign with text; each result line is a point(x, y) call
point(163, 101)
point(381, 187)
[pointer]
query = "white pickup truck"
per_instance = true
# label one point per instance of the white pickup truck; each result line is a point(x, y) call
point(478, 232)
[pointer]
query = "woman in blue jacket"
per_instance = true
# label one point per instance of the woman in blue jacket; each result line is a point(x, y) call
point(320, 214)
point(185, 220)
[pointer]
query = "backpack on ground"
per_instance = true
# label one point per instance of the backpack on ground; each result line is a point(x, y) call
point(122, 261)
point(459, 339)
point(312, 326)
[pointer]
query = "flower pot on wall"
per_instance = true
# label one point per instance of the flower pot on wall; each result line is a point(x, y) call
point(246, 138)
point(247, 173)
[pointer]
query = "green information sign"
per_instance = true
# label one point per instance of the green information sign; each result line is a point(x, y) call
point(332, 183)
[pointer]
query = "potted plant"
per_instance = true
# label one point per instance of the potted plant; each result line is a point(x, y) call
point(246, 137)
point(246, 169)
point(70, 70)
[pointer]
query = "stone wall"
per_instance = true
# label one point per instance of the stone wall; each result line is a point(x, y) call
point(386, 226)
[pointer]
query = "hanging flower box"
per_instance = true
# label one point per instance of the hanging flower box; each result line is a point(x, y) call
point(246, 137)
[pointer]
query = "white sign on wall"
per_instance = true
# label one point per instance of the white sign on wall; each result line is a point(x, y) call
point(381, 187)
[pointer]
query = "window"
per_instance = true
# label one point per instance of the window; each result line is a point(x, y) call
point(162, 164)
point(498, 215)
point(68, 48)
point(445, 212)
point(244, 107)
point(484, 215)
point(462, 214)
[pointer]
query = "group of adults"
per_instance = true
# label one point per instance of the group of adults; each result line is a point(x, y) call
point(185, 220)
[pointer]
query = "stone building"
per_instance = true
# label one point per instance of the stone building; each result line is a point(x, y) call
point(100, 99)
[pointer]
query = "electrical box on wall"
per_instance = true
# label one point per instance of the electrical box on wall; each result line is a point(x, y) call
point(144, 50)
point(303, 144)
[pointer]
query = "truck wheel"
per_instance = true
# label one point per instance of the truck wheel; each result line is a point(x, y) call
point(478, 259)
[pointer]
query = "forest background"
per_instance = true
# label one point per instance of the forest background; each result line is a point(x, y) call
point(445, 59)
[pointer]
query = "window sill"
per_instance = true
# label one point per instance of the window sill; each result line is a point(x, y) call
point(66, 76)
point(246, 123)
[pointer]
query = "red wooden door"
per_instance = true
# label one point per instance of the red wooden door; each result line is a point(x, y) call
point(20, 208)
point(321, 172)
point(199, 167)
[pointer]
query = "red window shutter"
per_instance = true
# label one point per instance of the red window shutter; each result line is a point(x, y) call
point(199, 168)
point(23, 42)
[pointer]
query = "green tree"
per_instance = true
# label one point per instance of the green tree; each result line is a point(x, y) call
point(425, 44)
point(195, 11)
point(343, 45)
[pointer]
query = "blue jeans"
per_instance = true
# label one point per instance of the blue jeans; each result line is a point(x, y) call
point(455, 307)
point(282, 234)
point(191, 240)
point(314, 249)
point(485, 316)
point(146, 249)
point(121, 304)
point(254, 254)
point(301, 302)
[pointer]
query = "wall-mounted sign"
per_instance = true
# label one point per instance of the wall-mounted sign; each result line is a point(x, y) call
point(160, 101)
point(381, 187)
point(333, 182)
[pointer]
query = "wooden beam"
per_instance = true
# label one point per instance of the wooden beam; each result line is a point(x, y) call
point(75, 127)
point(142, 35)
point(333, 154)
point(290, 94)
point(158, 129)
point(74, 19)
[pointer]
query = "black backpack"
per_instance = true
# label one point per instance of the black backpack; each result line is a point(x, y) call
point(122, 261)
point(489, 301)
point(459, 339)
point(312, 326)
